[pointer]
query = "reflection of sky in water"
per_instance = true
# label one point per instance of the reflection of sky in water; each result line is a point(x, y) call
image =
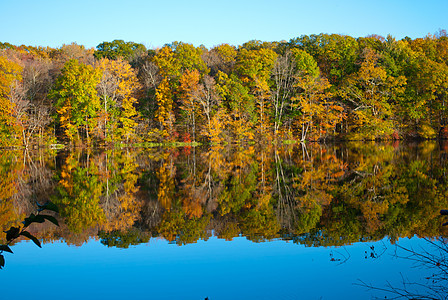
point(217, 269)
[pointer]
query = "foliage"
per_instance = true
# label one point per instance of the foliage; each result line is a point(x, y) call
point(117, 89)
point(10, 74)
point(15, 232)
point(76, 99)
point(309, 193)
point(79, 194)
point(121, 239)
point(118, 49)
point(316, 87)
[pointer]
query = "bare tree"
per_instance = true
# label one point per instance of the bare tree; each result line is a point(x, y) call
point(208, 98)
point(32, 108)
point(150, 79)
point(284, 75)
point(433, 257)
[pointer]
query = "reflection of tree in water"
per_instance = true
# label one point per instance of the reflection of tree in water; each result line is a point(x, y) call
point(13, 233)
point(432, 258)
point(10, 170)
point(316, 195)
point(97, 191)
point(123, 239)
point(79, 192)
point(25, 178)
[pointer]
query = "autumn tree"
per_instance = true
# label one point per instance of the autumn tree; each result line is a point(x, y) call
point(316, 112)
point(254, 67)
point(239, 106)
point(10, 75)
point(426, 89)
point(150, 78)
point(118, 49)
point(72, 51)
point(35, 104)
point(173, 61)
point(77, 101)
point(118, 175)
point(188, 89)
point(220, 58)
point(284, 77)
point(200, 101)
point(117, 90)
point(371, 92)
point(210, 103)
point(79, 192)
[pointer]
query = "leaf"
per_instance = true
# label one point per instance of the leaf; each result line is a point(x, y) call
point(51, 219)
point(31, 237)
point(5, 248)
point(2, 261)
point(50, 206)
point(29, 220)
point(12, 233)
point(38, 219)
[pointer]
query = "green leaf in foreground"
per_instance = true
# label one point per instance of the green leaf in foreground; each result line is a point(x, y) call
point(29, 220)
point(49, 206)
point(39, 219)
point(51, 219)
point(31, 237)
point(12, 233)
point(5, 248)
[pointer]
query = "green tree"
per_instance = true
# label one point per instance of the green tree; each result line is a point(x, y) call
point(118, 49)
point(254, 68)
point(239, 104)
point(77, 101)
point(335, 54)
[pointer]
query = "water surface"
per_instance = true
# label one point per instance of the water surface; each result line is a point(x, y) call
point(289, 222)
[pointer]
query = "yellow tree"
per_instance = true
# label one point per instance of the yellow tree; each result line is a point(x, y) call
point(370, 92)
point(164, 113)
point(173, 61)
point(165, 175)
point(168, 68)
point(188, 90)
point(319, 114)
point(10, 170)
point(199, 100)
point(117, 89)
point(10, 74)
point(119, 179)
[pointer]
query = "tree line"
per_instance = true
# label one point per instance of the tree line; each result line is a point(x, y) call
point(315, 87)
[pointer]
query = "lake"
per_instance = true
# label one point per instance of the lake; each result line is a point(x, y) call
point(230, 222)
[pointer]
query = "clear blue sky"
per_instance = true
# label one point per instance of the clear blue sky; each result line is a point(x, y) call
point(211, 22)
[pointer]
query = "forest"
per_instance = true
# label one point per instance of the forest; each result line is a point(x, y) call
point(312, 88)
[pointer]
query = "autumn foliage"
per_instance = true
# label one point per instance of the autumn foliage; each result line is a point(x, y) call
point(313, 88)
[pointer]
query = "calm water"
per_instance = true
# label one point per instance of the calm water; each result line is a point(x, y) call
point(291, 222)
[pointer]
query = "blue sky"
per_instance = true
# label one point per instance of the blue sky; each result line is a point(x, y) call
point(155, 23)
